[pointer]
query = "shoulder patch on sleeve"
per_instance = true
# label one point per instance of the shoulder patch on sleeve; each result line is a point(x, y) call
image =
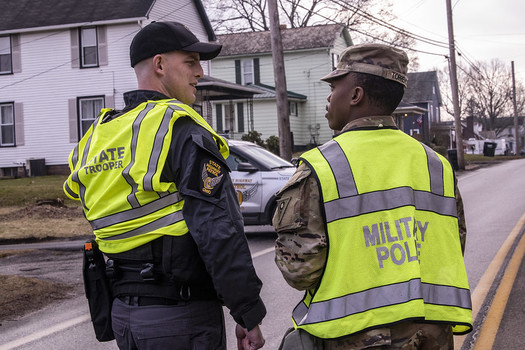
point(212, 175)
point(209, 168)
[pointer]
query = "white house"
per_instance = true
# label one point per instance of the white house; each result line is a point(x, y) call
point(61, 61)
point(309, 54)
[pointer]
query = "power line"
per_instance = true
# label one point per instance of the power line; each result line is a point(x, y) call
point(394, 28)
point(399, 30)
point(375, 37)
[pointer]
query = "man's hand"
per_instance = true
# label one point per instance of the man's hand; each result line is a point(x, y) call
point(249, 340)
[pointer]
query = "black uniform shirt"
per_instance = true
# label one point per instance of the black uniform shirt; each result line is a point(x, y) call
point(218, 247)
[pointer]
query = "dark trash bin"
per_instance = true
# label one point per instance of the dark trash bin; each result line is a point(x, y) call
point(489, 148)
point(453, 158)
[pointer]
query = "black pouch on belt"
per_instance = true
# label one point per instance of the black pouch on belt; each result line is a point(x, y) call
point(98, 291)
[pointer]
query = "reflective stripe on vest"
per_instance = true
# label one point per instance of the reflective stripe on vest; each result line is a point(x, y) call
point(135, 128)
point(349, 204)
point(82, 188)
point(144, 210)
point(380, 297)
point(384, 220)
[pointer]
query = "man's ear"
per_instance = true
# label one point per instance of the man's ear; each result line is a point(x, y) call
point(357, 95)
point(158, 64)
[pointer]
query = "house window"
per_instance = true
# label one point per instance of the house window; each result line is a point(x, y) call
point(293, 108)
point(88, 110)
point(88, 47)
point(7, 124)
point(5, 55)
point(218, 126)
point(229, 118)
point(240, 117)
point(247, 72)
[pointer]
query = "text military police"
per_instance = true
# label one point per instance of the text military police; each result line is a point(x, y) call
point(368, 225)
point(155, 187)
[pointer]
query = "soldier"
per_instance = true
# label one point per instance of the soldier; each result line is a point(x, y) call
point(368, 225)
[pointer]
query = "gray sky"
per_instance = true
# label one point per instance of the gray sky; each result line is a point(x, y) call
point(483, 30)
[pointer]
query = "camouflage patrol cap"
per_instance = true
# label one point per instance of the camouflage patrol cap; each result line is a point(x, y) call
point(377, 59)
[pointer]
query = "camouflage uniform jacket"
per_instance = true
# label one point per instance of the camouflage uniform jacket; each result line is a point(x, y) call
point(301, 245)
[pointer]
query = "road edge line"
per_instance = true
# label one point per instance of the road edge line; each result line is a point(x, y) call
point(263, 252)
point(38, 335)
point(489, 330)
point(487, 280)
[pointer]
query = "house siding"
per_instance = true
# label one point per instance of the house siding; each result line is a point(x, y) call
point(303, 72)
point(47, 87)
point(184, 12)
point(46, 84)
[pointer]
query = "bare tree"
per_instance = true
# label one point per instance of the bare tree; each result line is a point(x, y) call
point(370, 22)
point(485, 92)
point(465, 102)
point(229, 16)
point(367, 19)
point(300, 14)
point(490, 90)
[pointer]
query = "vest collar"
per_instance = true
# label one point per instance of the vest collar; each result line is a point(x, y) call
point(373, 121)
point(136, 97)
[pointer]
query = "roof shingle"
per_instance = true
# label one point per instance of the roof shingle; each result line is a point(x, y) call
point(21, 14)
point(293, 39)
point(420, 87)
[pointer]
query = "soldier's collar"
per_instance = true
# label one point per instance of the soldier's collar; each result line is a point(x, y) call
point(373, 121)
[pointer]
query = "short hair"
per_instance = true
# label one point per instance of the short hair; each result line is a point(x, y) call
point(382, 93)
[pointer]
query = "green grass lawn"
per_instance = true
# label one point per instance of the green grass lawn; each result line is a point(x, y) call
point(479, 158)
point(27, 191)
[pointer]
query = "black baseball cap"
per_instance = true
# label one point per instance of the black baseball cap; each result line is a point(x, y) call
point(161, 37)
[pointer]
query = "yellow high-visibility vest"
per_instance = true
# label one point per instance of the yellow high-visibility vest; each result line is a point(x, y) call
point(394, 252)
point(115, 173)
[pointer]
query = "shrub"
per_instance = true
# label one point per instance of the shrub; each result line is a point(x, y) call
point(253, 136)
point(272, 144)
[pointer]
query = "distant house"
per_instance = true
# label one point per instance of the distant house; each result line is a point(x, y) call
point(246, 59)
point(422, 91)
point(504, 130)
point(62, 61)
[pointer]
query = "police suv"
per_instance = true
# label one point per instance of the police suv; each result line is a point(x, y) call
point(257, 175)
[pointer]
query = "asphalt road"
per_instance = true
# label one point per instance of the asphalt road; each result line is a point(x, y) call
point(55, 326)
point(494, 204)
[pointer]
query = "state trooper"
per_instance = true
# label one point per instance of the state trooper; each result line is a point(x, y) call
point(154, 184)
point(368, 225)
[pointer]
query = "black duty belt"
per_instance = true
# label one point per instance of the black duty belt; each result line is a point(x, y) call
point(146, 301)
point(144, 280)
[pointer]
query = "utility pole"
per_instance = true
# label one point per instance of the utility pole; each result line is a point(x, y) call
point(283, 115)
point(516, 124)
point(454, 88)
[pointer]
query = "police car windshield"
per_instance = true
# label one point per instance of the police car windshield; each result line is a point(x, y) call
point(265, 157)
